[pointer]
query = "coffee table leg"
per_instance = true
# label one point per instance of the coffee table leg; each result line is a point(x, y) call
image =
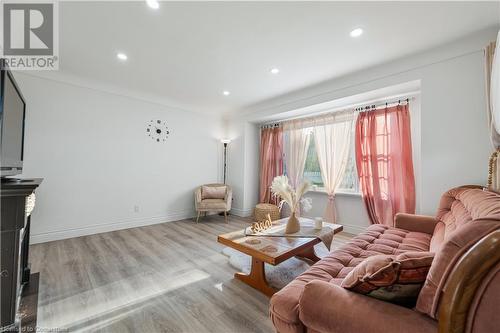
point(256, 278)
point(309, 254)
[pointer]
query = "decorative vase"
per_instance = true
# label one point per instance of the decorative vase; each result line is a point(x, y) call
point(292, 225)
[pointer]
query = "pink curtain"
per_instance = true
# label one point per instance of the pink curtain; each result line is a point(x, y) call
point(384, 162)
point(271, 160)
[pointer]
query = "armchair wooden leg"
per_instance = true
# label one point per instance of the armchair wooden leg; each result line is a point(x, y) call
point(198, 217)
point(225, 216)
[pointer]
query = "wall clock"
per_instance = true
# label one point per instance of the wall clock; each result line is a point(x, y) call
point(158, 130)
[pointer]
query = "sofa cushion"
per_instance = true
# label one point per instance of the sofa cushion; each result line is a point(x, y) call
point(328, 308)
point(213, 192)
point(467, 214)
point(396, 279)
point(376, 239)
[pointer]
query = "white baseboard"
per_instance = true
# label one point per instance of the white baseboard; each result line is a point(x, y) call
point(109, 226)
point(242, 212)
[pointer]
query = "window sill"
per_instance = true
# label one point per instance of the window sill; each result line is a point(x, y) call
point(338, 193)
point(348, 194)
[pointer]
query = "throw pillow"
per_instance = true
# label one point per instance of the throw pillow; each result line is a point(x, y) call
point(396, 279)
point(213, 192)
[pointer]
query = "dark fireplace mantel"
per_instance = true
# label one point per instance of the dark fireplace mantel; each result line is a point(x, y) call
point(14, 233)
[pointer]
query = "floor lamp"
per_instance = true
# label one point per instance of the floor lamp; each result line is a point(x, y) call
point(225, 142)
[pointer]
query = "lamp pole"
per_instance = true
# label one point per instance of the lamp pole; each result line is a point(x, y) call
point(225, 142)
point(225, 161)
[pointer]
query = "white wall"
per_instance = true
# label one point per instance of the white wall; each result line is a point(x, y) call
point(236, 166)
point(98, 163)
point(243, 171)
point(454, 144)
point(252, 170)
point(351, 212)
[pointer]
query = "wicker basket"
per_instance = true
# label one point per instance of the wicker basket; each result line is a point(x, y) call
point(262, 209)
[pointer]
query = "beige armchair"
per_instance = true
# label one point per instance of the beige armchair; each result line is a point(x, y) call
point(213, 198)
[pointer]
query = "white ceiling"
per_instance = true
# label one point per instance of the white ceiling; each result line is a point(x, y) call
point(188, 53)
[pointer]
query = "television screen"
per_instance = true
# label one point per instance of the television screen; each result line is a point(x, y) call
point(12, 109)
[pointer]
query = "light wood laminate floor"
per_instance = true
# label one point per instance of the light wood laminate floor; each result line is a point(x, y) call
point(169, 277)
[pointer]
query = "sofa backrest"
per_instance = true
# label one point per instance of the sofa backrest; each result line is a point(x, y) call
point(451, 214)
point(466, 214)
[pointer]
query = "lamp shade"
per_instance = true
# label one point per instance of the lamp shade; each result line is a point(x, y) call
point(225, 141)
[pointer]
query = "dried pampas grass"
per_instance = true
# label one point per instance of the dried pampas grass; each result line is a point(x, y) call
point(281, 188)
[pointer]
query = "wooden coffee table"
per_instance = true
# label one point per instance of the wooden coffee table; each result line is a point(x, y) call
point(271, 250)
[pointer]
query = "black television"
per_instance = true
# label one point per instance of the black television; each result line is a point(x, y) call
point(12, 114)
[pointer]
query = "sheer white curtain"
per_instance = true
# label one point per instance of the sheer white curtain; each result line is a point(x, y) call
point(495, 84)
point(332, 137)
point(296, 150)
point(492, 83)
point(492, 76)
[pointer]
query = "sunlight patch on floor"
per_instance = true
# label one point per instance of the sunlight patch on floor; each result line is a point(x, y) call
point(116, 297)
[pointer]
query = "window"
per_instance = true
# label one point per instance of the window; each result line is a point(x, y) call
point(312, 171)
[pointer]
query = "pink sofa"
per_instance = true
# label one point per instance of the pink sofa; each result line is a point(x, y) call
point(467, 218)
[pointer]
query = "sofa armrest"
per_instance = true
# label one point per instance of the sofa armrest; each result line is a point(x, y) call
point(419, 223)
point(325, 307)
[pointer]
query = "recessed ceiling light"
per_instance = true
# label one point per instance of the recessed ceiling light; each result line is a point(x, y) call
point(153, 4)
point(356, 32)
point(121, 56)
point(275, 71)
point(226, 93)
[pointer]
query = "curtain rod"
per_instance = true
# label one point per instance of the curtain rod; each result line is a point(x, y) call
point(365, 108)
point(371, 107)
point(273, 125)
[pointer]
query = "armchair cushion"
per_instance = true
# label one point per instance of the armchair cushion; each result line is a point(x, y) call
point(396, 279)
point(213, 192)
point(212, 204)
